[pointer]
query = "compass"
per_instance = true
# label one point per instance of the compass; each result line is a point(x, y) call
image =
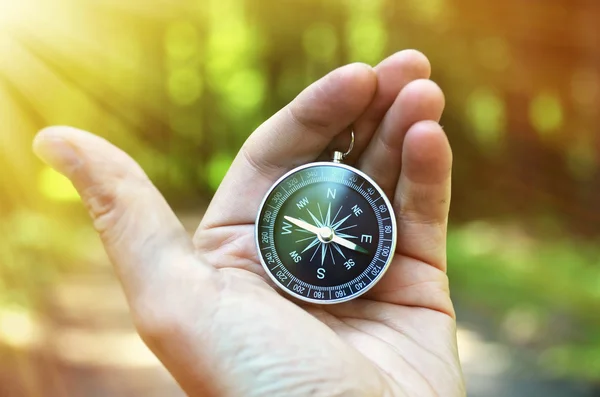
point(326, 232)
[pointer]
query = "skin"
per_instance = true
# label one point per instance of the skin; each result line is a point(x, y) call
point(205, 307)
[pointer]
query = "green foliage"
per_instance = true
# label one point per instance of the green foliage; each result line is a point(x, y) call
point(182, 91)
point(36, 248)
point(500, 269)
point(487, 114)
point(217, 168)
point(546, 113)
point(320, 42)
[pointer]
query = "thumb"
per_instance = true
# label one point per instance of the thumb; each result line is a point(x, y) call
point(140, 232)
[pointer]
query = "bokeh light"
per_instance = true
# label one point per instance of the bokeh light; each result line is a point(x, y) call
point(180, 85)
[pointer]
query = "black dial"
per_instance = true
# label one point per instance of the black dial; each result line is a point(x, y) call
point(325, 233)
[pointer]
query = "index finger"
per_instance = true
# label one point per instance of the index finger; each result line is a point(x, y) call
point(295, 135)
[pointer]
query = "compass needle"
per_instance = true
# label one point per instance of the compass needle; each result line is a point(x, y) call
point(304, 225)
point(349, 244)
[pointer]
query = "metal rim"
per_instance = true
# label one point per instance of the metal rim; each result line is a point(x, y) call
point(392, 248)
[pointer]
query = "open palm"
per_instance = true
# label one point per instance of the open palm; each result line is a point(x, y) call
point(205, 306)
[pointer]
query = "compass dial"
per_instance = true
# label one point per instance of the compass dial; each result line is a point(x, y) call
point(326, 233)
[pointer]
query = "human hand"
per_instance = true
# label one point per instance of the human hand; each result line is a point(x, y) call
point(205, 306)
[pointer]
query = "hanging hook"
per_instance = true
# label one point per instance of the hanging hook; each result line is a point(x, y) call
point(338, 157)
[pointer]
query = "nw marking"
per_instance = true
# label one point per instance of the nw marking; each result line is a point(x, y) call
point(302, 203)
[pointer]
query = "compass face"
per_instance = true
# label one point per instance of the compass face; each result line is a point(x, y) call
point(326, 233)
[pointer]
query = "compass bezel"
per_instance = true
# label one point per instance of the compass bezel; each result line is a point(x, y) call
point(355, 294)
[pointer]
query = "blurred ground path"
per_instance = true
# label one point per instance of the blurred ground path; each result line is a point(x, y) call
point(90, 349)
point(493, 369)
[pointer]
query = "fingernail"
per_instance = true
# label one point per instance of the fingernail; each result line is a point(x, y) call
point(56, 151)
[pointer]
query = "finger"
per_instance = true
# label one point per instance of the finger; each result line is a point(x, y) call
point(417, 276)
point(295, 135)
point(141, 234)
point(422, 198)
point(382, 159)
point(393, 74)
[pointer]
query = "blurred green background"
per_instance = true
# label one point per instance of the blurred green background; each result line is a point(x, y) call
point(181, 84)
